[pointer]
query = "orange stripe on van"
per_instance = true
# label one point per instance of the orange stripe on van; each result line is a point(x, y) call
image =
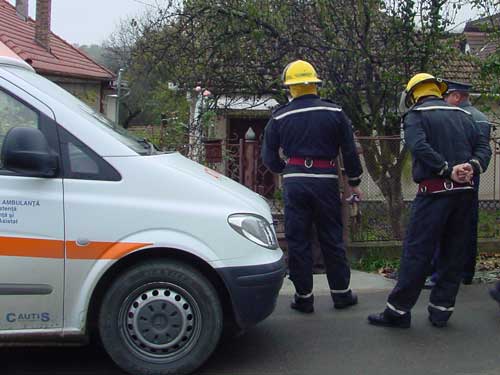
point(31, 247)
point(54, 249)
point(101, 250)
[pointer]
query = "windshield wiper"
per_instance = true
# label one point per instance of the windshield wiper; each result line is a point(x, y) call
point(148, 145)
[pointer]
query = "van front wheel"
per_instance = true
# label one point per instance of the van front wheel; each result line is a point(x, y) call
point(160, 318)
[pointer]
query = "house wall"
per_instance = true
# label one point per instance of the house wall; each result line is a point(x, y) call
point(224, 119)
point(89, 91)
point(221, 127)
point(86, 90)
point(110, 107)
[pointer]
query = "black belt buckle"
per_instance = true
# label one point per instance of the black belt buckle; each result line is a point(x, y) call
point(308, 162)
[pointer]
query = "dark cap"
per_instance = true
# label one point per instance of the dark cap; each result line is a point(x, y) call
point(457, 86)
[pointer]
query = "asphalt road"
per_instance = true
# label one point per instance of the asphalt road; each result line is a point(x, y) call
point(326, 342)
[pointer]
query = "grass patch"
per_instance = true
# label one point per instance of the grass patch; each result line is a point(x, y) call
point(374, 262)
point(488, 224)
point(375, 223)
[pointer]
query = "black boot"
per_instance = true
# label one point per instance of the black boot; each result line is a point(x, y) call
point(303, 304)
point(386, 319)
point(342, 301)
point(438, 317)
point(438, 323)
point(467, 280)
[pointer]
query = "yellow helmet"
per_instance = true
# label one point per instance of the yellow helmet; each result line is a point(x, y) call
point(299, 72)
point(423, 84)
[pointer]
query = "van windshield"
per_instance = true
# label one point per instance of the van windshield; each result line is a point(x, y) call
point(141, 146)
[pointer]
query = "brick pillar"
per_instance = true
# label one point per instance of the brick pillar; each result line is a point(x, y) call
point(249, 164)
point(42, 27)
point(22, 9)
point(249, 159)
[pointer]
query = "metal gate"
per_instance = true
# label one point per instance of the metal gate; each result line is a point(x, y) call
point(244, 165)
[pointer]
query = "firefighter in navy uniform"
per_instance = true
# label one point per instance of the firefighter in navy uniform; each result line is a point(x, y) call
point(447, 150)
point(458, 94)
point(310, 131)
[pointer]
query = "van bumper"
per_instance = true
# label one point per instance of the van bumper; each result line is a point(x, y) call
point(253, 290)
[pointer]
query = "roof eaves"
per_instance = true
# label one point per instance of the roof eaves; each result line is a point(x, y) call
point(111, 74)
point(60, 73)
point(32, 53)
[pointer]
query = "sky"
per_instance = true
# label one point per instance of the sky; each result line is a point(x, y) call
point(93, 21)
point(89, 21)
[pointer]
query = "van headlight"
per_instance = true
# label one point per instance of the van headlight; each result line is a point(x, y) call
point(254, 228)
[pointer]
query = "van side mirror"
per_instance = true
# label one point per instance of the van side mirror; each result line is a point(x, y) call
point(26, 151)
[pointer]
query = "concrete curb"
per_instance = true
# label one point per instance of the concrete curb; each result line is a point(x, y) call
point(360, 282)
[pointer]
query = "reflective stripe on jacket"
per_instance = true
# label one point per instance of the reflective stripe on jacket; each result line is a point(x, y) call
point(310, 127)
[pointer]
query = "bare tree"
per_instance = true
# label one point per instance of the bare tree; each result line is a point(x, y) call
point(365, 50)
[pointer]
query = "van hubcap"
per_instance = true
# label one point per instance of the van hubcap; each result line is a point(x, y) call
point(161, 321)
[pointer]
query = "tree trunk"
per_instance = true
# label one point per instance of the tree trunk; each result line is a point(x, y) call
point(393, 193)
point(131, 115)
point(384, 165)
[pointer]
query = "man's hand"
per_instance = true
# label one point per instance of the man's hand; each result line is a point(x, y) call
point(462, 173)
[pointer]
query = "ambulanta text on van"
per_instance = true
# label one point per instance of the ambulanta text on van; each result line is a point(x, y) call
point(101, 234)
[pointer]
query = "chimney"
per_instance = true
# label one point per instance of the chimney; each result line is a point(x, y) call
point(22, 7)
point(42, 26)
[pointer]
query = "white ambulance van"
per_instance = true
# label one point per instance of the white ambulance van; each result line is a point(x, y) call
point(102, 234)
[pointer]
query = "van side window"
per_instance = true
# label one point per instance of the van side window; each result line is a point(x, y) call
point(13, 113)
point(80, 162)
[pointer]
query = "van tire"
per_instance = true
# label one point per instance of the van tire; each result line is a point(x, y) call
point(153, 305)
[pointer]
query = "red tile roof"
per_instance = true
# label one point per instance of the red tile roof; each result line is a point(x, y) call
point(476, 40)
point(62, 60)
point(461, 68)
point(487, 24)
point(488, 49)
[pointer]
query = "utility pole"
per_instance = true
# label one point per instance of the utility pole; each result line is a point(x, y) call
point(118, 96)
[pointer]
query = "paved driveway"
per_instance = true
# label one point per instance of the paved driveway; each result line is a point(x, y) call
point(327, 342)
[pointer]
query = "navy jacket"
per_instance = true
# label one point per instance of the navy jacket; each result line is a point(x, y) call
point(310, 127)
point(441, 136)
point(484, 125)
point(479, 118)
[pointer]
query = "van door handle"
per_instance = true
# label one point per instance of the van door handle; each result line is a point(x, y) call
point(82, 242)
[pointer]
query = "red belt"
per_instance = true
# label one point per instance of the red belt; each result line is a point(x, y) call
point(310, 162)
point(442, 185)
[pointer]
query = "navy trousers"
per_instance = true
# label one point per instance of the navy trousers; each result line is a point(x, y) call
point(308, 201)
point(435, 220)
point(471, 253)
